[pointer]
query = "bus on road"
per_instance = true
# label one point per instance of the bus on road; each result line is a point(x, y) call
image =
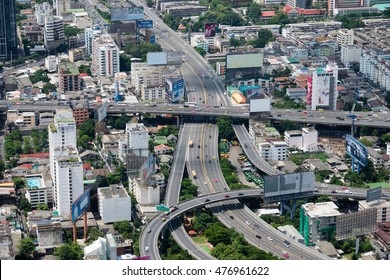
point(193, 174)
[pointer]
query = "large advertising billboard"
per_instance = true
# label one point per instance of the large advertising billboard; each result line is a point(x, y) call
point(374, 194)
point(174, 89)
point(157, 58)
point(321, 90)
point(356, 150)
point(309, 90)
point(288, 186)
point(144, 24)
point(210, 29)
point(245, 60)
point(148, 167)
point(260, 105)
point(101, 112)
point(127, 13)
point(80, 205)
point(356, 224)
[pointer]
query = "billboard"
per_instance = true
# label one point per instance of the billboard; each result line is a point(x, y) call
point(374, 194)
point(244, 60)
point(356, 224)
point(260, 105)
point(102, 112)
point(288, 186)
point(144, 24)
point(321, 90)
point(157, 58)
point(127, 13)
point(209, 29)
point(153, 39)
point(80, 206)
point(356, 150)
point(174, 58)
point(174, 89)
point(147, 167)
point(309, 89)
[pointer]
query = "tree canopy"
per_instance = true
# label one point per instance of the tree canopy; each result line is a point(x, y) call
point(69, 251)
point(141, 50)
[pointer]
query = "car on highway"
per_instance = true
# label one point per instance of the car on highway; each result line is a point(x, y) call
point(257, 226)
point(169, 109)
point(269, 238)
point(149, 230)
point(333, 191)
point(206, 200)
point(227, 196)
point(213, 157)
point(240, 194)
point(248, 223)
point(215, 180)
point(286, 243)
point(286, 256)
point(147, 249)
point(231, 217)
point(258, 236)
point(163, 219)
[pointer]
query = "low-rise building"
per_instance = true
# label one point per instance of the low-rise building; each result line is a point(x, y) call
point(80, 114)
point(382, 206)
point(145, 195)
point(49, 235)
point(37, 191)
point(305, 139)
point(273, 150)
point(318, 221)
point(21, 119)
point(114, 204)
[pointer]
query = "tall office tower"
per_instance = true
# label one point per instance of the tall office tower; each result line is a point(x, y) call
point(8, 36)
point(297, 3)
point(105, 56)
point(66, 167)
point(90, 34)
point(322, 88)
point(137, 139)
point(54, 32)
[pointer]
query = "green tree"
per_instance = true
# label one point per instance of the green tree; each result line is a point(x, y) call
point(88, 128)
point(149, 3)
point(124, 228)
point(27, 149)
point(254, 12)
point(85, 69)
point(49, 88)
point(201, 51)
point(38, 76)
point(288, 125)
point(94, 234)
point(19, 182)
point(233, 42)
point(141, 50)
point(71, 31)
point(217, 233)
point(125, 63)
point(202, 221)
point(44, 207)
point(225, 128)
point(24, 204)
point(69, 251)
point(26, 249)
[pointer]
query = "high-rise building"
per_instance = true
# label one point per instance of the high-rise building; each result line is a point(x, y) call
point(43, 10)
point(90, 34)
point(66, 167)
point(68, 75)
point(137, 139)
point(322, 88)
point(8, 36)
point(61, 6)
point(297, 3)
point(344, 4)
point(54, 32)
point(105, 56)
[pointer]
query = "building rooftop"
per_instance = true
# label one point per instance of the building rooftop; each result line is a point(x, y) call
point(323, 209)
point(72, 68)
point(113, 191)
point(64, 116)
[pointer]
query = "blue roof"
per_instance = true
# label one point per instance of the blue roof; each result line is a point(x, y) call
point(381, 7)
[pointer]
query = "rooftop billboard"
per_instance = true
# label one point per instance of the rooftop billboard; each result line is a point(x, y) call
point(244, 60)
point(80, 206)
point(356, 150)
point(356, 224)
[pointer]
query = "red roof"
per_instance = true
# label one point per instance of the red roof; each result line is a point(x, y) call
point(311, 11)
point(25, 165)
point(37, 155)
point(86, 166)
point(287, 8)
point(82, 75)
point(268, 14)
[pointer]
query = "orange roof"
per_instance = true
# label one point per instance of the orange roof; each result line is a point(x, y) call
point(86, 166)
point(83, 75)
point(301, 84)
point(287, 8)
point(311, 11)
point(239, 97)
point(301, 78)
point(181, 27)
point(281, 79)
point(37, 155)
point(268, 14)
point(342, 88)
point(25, 165)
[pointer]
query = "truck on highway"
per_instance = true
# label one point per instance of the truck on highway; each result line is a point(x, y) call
point(190, 144)
point(193, 174)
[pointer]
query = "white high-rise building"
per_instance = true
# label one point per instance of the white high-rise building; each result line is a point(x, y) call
point(54, 31)
point(66, 167)
point(137, 139)
point(90, 34)
point(105, 56)
point(350, 54)
point(273, 151)
point(345, 37)
point(42, 11)
point(114, 204)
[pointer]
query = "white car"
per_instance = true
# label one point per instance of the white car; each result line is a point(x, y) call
point(147, 249)
point(248, 223)
point(269, 238)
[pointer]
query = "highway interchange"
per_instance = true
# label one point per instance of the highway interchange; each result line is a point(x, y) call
point(209, 179)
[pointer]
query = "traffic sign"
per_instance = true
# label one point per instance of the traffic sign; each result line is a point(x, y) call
point(162, 207)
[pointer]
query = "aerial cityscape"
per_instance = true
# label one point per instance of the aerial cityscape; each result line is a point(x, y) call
point(195, 130)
